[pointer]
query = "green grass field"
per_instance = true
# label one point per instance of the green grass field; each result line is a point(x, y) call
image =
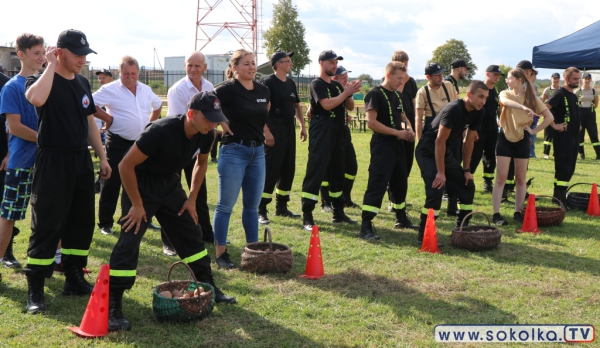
point(374, 295)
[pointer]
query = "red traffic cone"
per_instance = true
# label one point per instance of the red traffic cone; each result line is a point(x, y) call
point(95, 318)
point(314, 262)
point(594, 205)
point(530, 223)
point(430, 244)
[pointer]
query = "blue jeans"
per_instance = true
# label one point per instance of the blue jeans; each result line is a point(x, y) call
point(239, 167)
point(532, 137)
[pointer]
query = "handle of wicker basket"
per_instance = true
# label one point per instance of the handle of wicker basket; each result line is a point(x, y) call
point(189, 269)
point(579, 183)
point(268, 233)
point(471, 213)
point(554, 198)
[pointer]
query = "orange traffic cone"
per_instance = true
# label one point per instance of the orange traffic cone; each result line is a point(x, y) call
point(95, 318)
point(594, 205)
point(430, 244)
point(314, 262)
point(530, 223)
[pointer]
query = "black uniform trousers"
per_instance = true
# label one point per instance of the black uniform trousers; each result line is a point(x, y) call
point(162, 198)
point(388, 165)
point(565, 156)
point(116, 148)
point(351, 169)
point(455, 182)
point(588, 122)
point(548, 134)
point(280, 161)
point(326, 139)
point(201, 205)
point(484, 151)
point(62, 208)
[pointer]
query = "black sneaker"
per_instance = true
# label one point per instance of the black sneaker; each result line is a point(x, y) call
point(518, 217)
point(107, 231)
point(367, 231)
point(224, 261)
point(263, 219)
point(326, 207)
point(499, 220)
point(169, 250)
point(350, 204)
point(308, 222)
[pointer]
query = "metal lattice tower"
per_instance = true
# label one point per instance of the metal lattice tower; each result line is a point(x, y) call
point(244, 30)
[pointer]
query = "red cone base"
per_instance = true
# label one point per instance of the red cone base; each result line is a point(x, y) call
point(95, 318)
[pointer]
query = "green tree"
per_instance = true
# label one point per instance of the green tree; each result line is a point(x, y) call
point(366, 77)
point(287, 34)
point(451, 50)
point(501, 84)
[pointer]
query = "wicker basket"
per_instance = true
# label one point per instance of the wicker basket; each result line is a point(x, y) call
point(578, 200)
point(476, 237)
point(267, 257)
point(548, 216)
point(182, 309)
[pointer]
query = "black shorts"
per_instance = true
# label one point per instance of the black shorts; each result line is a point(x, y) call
point(506, 148)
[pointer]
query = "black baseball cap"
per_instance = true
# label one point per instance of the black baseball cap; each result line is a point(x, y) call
point(75, 41)
point(105, 72)
point(554, 75)
point(459, 63)
point(209, 104)
point(341, 70)
point(587, 76)
point(433, 68)
point(494, 69)
point(525, 64)
point(279, 55)
point(329, 55)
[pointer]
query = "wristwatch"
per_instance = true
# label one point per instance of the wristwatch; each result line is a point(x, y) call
point(467, 170)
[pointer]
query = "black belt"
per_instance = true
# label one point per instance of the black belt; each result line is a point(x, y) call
point(248, 143)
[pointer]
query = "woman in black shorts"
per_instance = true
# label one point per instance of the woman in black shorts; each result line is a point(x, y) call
point(519, 105)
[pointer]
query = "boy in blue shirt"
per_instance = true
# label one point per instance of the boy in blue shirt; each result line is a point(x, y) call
point(22, 122)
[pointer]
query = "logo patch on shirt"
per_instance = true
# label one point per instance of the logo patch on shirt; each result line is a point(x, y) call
point(292, 95)
point(261, 100)
point(85, 101)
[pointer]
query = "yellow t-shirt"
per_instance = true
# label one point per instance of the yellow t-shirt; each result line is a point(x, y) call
point(513, 121)
point(438, 98)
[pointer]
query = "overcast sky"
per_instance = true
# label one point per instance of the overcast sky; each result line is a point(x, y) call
point(500, 32)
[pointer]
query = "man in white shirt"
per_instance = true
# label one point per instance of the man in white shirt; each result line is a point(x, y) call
point(178, 98)
point(183, 90)
point(130, 106)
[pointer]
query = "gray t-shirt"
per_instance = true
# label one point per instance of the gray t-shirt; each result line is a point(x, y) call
point(585, 96)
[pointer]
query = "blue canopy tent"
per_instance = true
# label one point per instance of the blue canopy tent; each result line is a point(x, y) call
point(580, 49)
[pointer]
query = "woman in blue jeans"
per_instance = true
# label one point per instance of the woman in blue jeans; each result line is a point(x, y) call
point(245, 103)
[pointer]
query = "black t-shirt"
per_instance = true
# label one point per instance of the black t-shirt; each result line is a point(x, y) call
point(168, 148)
point(491, 112)
point(3, 142)
point(319, 89)
point(559, 109)
point(284, 97)
point(456, 117)
point(246, 110)
point(410, 93)
point(63, 122)
point(376, 100)
point(453, 81)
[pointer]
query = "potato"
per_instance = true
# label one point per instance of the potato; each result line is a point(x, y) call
point(196, 293)
point(190, 293)
point(165, 294)
point(177, 293)
point(186, 296)
point(203, 293)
